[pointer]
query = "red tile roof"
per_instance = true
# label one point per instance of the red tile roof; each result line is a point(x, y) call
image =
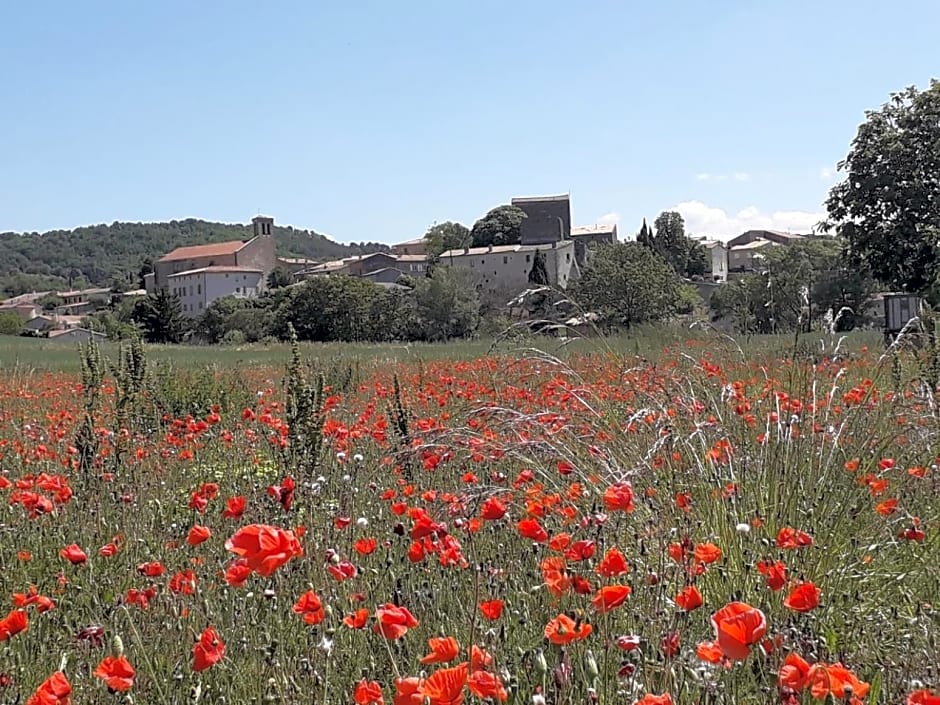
point(217, 249)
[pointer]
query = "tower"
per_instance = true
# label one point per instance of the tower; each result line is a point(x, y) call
point(262, 225)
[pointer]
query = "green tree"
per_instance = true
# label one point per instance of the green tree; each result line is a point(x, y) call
point(448, 304)
point(538, 275)
point(645, 236)
point(333, 308)
point(160, 317)
point(888, 206)
point(10, 323)
point(441, 237)
point(501, 226)
point(668, 238)
point(279, 278)
point(627, 284)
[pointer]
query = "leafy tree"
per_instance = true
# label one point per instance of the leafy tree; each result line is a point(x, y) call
point(330, 308)
point(627, 284)
point(888, 206)
point(10, 323)
point(538, 275)
point(160, 318)
point(501, 226)
point(448, 304)
point(687, 257)
point(278, 278)
point(645, 236)
point(441, 237)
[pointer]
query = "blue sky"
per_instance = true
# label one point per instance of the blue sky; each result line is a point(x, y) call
point(372, 120)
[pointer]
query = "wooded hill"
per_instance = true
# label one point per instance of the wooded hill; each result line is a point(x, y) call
point(102, 255)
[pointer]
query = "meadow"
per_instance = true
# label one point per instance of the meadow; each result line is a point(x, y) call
point(664, 518)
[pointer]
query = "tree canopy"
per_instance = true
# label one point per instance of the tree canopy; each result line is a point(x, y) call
point(501, 226)
point(441, 237)
point(887, 208)
point(628, 283)
point(667, 238)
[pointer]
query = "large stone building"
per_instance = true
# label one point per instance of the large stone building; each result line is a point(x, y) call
point(197, 288)
point(548, 219)
point(506, 268)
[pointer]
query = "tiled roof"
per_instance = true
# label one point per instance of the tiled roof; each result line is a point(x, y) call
point(217, 269)
point(602, 229)
point(217, 249)
point(753, 245)
point(502, 249)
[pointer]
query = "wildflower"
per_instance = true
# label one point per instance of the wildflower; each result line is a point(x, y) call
point(610, 597)
point(368, 693)
point(803, 597)
point(357, 620)
point(117, 673)
point(234, 507)
point(613, 564)
point(14, 623)
point(393, 622)
point(563, 630)
point(310, 606)
point(73, 554)
point(487, 686)
point(55, 690)
point(443, 650)
point(265, 548)
point(445, 686)
point(619, 497)
point(208, 651)
point(492, 609)
point(774, 573)
point(789, 537)
point(197, 535)
point(794, 673)
point(689, 599)
point(738, 626)
point(407, 691)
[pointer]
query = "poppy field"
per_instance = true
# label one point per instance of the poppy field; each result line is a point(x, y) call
point(700, 525)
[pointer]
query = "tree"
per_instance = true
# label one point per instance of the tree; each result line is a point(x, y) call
point(10, 323)
point(279, 278)
point(626, 284)
point(645, 236)
point(538, 275)
point(441, 237)
point(448, 304)
point(686, 256)
point(501, 226)
point(160, 316)
point(333, 308)
point(888, 206)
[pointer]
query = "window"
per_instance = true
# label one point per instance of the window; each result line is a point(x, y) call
point(238, 290)
point(505, 260)
point(567, 257)
point(200, 305)
point(226, 275)
point(198, 288)
point(190, 289)
point(482, 261)
point(528, 257)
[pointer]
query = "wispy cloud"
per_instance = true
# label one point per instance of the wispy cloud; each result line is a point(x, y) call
point(612, 218)
point(742, 176)
point(739, 176)
point(703, 219)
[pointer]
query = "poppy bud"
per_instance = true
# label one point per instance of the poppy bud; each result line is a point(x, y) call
point(117, 646)
point(541, 665)
point(590, 664)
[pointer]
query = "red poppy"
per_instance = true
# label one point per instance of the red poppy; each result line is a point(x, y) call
point(117, 673)
point(581, 550)
point(649, 699)
point(923, 697)
point(492, 609)
point(13, 624)
point(445, 686)
point(310, 606)
point(183, 583)
point(487, 686)
point(365, 546)
point(738, 626)
point(32, 597)
point(492, 509)
point(794, 672)
point(73, 554)
point(803, 597)
point(835, 680)
point(284, 492)
point(619, 497)
point(531, 529)
point(368, 693)
point(775, 573)
point(197, 535)
point(789, 537)
point(153, 569)
point(443, 650)
point(610, 597)
point(234, 507)
point(407, 691)
point(689, 599)
point(393, 622)
point(563, 630)
point(707, 553)
point(613, 564)
point(237, 574)
point(208, 651)
point(265, 548)
point(358, 619)
point(55, 690)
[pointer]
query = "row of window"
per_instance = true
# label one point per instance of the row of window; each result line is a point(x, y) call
point(181, 290)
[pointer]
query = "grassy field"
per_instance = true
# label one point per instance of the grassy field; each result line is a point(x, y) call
point(660, 518)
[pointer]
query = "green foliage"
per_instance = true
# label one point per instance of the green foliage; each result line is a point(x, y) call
point(160, 318)
point(448, 304)
point(10, 323)
point(94, 255)
point(538, 275)
point(501, 226)
point(888, 206)
point(305, 414)
point(50, 302)
point(687, 257)
point(800, 287)
point(441, 237)
point(627, 284)
point(278, 278)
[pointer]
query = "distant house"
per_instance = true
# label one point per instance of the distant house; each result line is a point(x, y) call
point(197, 288)
point(746, 257)
point(84, 296)
point(777, 237)
point(595, 234)
point(256, 253)
point(548, 219)
point(26, 311)
point(292, 265)
point(75, 335)
point(411, 247)
point(367, 265)
point(717, 253)
point(507, 267)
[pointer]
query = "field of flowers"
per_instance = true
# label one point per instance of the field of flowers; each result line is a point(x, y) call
point(698, 526)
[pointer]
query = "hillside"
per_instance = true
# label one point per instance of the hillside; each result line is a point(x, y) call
point(97, 254)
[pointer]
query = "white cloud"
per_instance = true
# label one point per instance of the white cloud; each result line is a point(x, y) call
point(702, 219)
point(704, 176)
point(736, 176)
point(742, 176)
point(609, 219)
